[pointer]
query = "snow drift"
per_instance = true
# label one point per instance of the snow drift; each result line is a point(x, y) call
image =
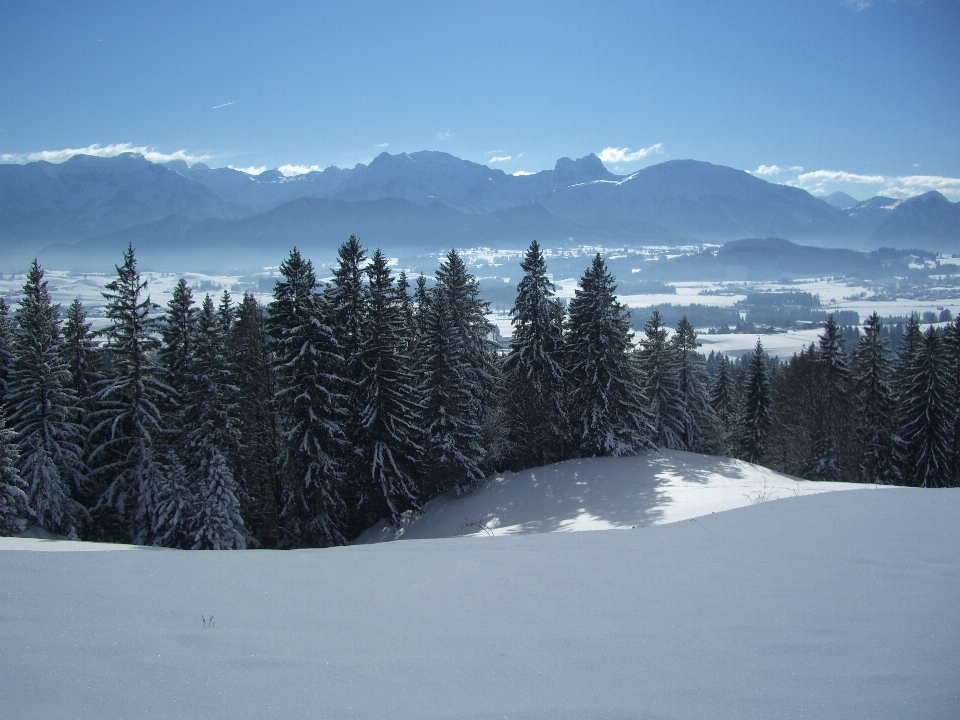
point(602, 494)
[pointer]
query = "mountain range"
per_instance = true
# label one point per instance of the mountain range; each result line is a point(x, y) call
point(83, 211)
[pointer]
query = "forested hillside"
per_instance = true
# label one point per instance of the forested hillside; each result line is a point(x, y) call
point(212, 424)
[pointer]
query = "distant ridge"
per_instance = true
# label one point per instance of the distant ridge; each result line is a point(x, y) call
point(425, 200)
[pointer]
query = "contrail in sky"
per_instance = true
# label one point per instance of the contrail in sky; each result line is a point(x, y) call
point(224, 105)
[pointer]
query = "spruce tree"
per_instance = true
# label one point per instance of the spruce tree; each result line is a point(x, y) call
point(310, 387)
point(796, 417)
point(178, 329)
point(212, 437)
point(79, 351)
point(534, 382)
point(174, 512)
point(723, 400)
point(926, 416)
point(128, 426)
point(452, 415)
point(606, 397)
point(755, 412)
point(457, 378)
point(43, 412)
point(832, 441)
point(347, 300)
point(421, 304)
point(875, 406)
point(223, 333)
point(700, 429)
point(389, 412)
point(260, 437)
point(951, 344)
point(407, 309)
point(660, 371)
point(905, 369)
point(6, 349)
point(219, 523)
point(14, 510)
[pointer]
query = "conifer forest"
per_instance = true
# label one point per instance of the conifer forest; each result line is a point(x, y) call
point(220, 423)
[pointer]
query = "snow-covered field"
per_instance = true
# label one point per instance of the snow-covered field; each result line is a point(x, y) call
point(835, 605)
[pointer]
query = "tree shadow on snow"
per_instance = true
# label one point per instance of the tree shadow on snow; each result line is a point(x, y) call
point(585, 494)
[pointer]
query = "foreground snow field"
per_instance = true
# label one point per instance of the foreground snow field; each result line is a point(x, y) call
point(603, 494)
point(838, 605)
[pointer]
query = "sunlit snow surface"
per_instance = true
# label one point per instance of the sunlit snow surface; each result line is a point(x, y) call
point(836, 605)
point(602, 494)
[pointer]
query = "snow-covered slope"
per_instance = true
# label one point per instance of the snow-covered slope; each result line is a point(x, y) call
point(839, 605)
point(602, 494)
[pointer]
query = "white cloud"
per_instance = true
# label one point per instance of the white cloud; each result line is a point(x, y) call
point(895, 186)
point(59, 156)
point(443, 135)
point(252, 170)
point(858, 5)
point(766, 170)
point(521, 173)
point(618, 155)
point(217, 107)
point(294, 170)
point(493, 152)
point(500, 158)
point(910, 185)
point(381, 145)
point(818, 177)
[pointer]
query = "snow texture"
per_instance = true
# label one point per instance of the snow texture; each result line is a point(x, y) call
point(840, 605)
point(653, 488)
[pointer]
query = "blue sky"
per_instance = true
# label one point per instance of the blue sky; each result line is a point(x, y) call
point(863, 96)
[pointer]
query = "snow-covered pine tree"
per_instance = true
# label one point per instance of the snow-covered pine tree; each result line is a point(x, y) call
point(407, 310)
point(875, 406)
point(723, 400)
point(926, 409)
point(43, 412)
point(79, 351)
point(6, 349)
point(700, 432)
point(421, 304)
point(458, 378)
point(83, 362)
point(128, 425)
point(226, 341)
point(660, 373)
point(951, 344)
point(606, 402)
point(832, 447)
point(178, 329)
point(755, 410)
point(173, 512)
point(226, 318)
point(310, 387)
point(905, 369)
point(260, 438)
point(347, 299)
point(14, 511)
point(211, 432)
point(390, 414)
point(534, 383)
point(219, 523)
point(452, 415)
